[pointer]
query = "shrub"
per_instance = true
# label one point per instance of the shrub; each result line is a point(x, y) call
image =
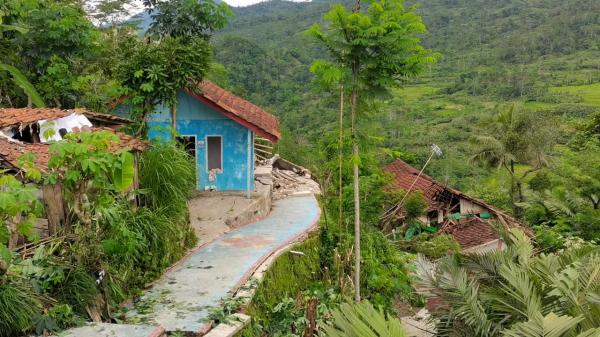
point(18, 305)
point(438, 247)
point(548, 240)
point(514, 292)
point(384, 274)
point(168, 176)
point(586, 224)
point(414, 205)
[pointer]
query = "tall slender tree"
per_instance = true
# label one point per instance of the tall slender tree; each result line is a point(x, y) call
point(376, 47)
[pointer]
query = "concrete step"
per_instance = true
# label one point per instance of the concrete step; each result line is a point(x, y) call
point(113, 330)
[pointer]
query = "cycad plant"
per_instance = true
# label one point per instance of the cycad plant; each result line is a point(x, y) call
point(515, 292)
point(362, 320)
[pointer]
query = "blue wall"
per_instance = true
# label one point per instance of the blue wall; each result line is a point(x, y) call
point(197, 119)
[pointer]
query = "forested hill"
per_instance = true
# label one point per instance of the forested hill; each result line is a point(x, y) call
point(469, 33)
point(495, 53)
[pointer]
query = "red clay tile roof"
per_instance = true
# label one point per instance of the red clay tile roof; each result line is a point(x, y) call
point(106, 117)
point(405, 175)
point(471, 232)
point(13, 117)
point(468, 233)
point(126, 141)
point(12, 150)
point(240, 110)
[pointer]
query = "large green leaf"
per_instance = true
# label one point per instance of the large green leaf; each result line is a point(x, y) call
point(5, 28)
point(24, 84)
point(123, 175)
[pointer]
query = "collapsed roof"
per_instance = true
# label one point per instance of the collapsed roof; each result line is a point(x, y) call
point(11, 117)
point(405, 175)
point(469, 231)
point(14, 123)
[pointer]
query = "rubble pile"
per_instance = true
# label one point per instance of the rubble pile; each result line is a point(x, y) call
point(289, 182)
point(287, 179)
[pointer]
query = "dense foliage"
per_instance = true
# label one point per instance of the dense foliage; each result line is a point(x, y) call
point(109, 249)
point(516, 292)
point(316, 272)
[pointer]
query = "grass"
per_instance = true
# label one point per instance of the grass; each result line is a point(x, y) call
point(589, 93)
point(413, 93)
point(18, 306)
point(289, 275)
point(168, 175)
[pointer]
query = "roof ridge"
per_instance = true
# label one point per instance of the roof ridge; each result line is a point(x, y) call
point(238, 109)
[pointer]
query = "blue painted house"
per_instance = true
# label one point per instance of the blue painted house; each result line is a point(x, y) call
point(218, 128)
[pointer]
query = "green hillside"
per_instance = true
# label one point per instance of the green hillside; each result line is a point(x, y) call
point(542, 55)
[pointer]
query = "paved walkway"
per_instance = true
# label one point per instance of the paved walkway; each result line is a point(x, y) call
point(181, 299)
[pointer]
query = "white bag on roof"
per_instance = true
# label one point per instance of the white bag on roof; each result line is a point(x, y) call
point(68, 123)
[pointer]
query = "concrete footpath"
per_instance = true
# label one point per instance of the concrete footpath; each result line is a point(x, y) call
point(181, 299)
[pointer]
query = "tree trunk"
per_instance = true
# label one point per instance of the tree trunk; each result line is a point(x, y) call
point(513, 187)
point(55, 207)
point(13, 239)
point(311, 317)
point(341, 187)
point(174, 118)
point(520, 198)
point(357, 255)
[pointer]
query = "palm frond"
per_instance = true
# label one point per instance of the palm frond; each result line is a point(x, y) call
point(550, 325)
point(362, 320)
point(520, 296)
point(554, 294)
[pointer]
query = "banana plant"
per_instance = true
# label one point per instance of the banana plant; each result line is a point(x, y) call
point(22, 82)
point(18, 77)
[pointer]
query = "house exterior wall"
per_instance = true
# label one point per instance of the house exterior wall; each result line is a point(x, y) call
point(468, 207)
point(197, 119)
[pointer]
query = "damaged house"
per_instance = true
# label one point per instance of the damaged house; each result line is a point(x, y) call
point(467, 219)
point(224, 133)
point(29, 130)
